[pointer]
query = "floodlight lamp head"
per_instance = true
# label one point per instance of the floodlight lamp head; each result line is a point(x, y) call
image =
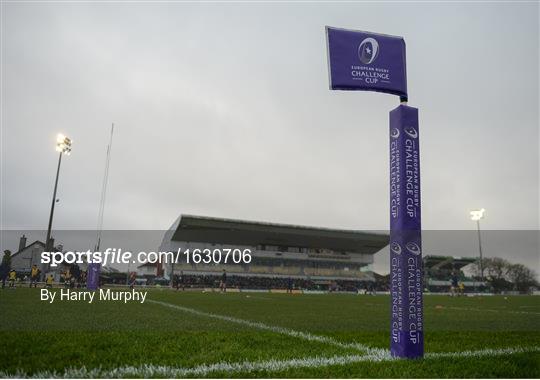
point(477, 214)
point(63, 144)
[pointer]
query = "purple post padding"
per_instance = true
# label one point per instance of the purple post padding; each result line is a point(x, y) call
point(407, 322)
point(92, 276)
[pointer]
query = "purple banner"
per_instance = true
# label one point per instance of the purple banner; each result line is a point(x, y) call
point(366, 61)
point(92, 276)
point(407, 338)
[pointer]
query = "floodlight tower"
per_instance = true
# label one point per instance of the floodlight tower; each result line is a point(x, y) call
point(63, 146)
point(476, 215)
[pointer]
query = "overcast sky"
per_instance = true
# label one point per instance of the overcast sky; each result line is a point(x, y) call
point(224, 110)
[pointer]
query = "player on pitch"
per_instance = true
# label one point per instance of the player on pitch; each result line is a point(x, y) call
point(34, 275)
point(223, 283)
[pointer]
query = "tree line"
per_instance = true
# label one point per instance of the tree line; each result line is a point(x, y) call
point(501, 275)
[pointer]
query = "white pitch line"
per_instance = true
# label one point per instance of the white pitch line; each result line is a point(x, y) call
point(260, 298)
point(476, 309)
point(482, 353)
point(150, 370)
point(490, 310)
point(276, 329)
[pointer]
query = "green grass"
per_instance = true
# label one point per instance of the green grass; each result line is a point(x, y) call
point(37, 336)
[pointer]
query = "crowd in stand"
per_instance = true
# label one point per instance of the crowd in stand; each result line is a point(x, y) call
point(266, 283)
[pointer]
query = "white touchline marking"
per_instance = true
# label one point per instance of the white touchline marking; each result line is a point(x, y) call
point(475, 309)
point(482, 353)
point(276, 329)
point(260, 298)
point(151, 370)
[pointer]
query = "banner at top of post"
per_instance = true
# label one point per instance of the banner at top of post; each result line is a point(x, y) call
point(364, 61)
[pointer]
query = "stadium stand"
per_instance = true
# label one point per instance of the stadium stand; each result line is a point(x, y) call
point(315, 257)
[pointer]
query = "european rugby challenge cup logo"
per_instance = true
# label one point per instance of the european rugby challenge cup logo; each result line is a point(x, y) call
point(368, 50)
point(412, 132)
point(394, 133)
point(413, 248)
point(395, 248)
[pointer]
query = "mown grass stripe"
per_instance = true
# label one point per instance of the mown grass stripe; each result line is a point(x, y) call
point(150, 370)
point(276, 329)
